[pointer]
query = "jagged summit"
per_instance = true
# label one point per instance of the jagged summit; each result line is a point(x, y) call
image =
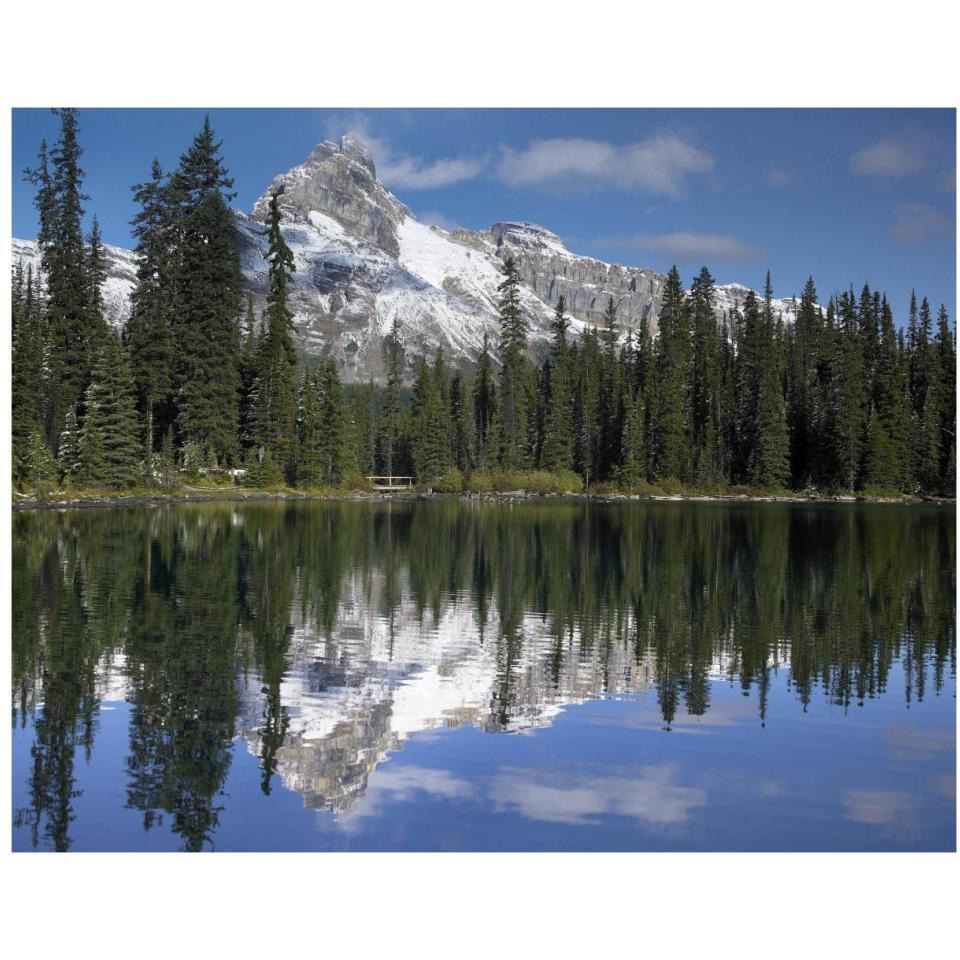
point(363, 261)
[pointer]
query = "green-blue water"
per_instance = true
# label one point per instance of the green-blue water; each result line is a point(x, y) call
point(474, 676)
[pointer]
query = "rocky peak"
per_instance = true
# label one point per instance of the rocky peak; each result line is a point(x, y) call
point(340, 181)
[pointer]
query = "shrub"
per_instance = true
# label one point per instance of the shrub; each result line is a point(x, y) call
point(450, 482)
point(479, 482)
point(356, 481)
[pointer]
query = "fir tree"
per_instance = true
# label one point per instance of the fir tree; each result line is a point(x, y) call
point(310, 467)
point(26, 373)
point(512, 408)
point(428, 434)
point(69, 451)
point(110, 448)
point(59, 181)
point(207, 306)
point(390, 430)
point(704, 391)
point(274, 391)
point(484, 406)
point(149, 329)
point(670, 453)
point(947, 402)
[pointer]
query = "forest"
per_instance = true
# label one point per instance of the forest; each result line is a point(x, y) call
point(197, 388)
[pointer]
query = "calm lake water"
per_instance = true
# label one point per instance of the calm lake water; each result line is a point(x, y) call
point(455, 676)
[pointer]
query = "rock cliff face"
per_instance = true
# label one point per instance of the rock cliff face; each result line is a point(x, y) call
point(363, 261)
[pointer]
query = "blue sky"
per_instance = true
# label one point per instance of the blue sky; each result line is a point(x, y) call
point(849, 196)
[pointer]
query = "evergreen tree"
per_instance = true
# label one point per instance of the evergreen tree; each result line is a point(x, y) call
point(428, 434)
point(310, 434)
point(801, 386)
point(947, 358)
point(484, 407)
point(59, 181)
point(461, 424)
point(110, 448)
point(26, 373)
point(69, 451)
point(207, 306)
point(705, 382)
point(390, 429)
point(334, 436)
point(512, 408)
point(148, 331)
point(673, 348)
point(887, 454)
point(274, 390)
point(611, 409)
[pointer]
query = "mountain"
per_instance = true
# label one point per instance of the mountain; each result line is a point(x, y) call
point(363, 259)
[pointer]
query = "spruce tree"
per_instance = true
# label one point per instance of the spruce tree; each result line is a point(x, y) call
point(59, 200)
point(512, 409)
point(69, 451)
point(273, 411)
point(26, 386)
point(887, 453)
point(208, 302)
point(704, 387)
point(110, 440)
point(390, 429)
point(610, 411)
point(428, 434)
point(558, 430)
point(673, 348)
point(947, 403)
point(149, 329)
point(310, 467)
point(484, 407)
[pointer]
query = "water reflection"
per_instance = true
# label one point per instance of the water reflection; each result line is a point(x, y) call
point(323, 636)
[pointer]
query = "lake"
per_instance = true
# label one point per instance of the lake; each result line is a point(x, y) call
point(448, 675)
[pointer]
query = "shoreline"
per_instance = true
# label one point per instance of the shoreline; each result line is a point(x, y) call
point(512, 496)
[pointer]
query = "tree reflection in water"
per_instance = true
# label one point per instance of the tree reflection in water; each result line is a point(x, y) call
point(323, 634)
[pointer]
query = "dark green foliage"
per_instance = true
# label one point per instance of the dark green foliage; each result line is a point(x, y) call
point(207, 302)
point(672, 365)
point(558, 428)
point(110, 448)
point(429, 445)
point(273, 392)
point(512, 410)
point(70, 319)
point(484, 408)
point(149, 329)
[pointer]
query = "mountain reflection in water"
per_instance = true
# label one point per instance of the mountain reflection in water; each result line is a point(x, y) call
point(326, 635)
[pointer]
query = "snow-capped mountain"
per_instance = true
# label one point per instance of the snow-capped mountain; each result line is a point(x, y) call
point(363, 261)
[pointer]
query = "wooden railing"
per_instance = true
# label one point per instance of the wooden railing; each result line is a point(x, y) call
point(391, 483)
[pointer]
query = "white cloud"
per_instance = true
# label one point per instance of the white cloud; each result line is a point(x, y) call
point(688, 247)
point(650, 797)
point(660, 164)
point(890, 158)
point(403, 171)
point(917, 222)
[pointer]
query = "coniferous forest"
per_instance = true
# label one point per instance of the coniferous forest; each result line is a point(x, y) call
point(198, 387)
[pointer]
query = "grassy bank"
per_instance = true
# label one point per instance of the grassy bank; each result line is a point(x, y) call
point(497, 484)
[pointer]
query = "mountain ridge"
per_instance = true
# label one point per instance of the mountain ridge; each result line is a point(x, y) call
point(364, 260)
